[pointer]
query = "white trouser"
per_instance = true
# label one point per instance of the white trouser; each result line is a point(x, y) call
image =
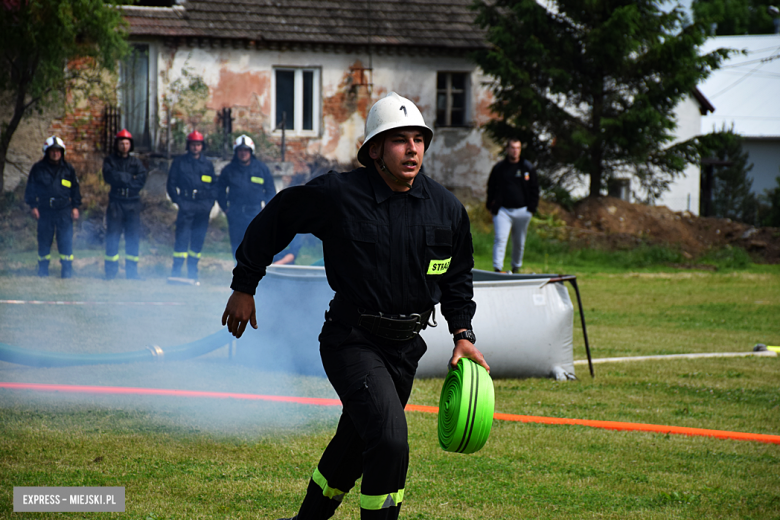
point(515, 220)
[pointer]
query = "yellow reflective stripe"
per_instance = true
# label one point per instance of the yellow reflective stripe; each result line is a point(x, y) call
point(66, 257)
point(66, 183)
point(114, 258)
point(439, 266)
point(257, 180)
point(375, 502)
point(42, 258)
point(205, 178)
point(177, 254)
point(131, 258)
point(327, 491)
point(194, 254)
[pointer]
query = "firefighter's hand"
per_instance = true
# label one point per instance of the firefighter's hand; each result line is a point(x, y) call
point(75, 213)
point(35, 213)
point(466, 349)
point(239, 311)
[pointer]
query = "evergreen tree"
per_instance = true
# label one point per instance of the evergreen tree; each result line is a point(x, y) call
point(730, 17)
point(590, 86)
point(731, 195)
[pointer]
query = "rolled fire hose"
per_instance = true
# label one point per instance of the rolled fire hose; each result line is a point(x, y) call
point(466, 408)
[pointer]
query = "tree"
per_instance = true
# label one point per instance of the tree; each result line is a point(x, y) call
point(39, 39)
point(729, 17)
point(731, 194)
point(590, 86)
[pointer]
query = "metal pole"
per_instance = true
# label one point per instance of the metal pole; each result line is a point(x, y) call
point(573, 280)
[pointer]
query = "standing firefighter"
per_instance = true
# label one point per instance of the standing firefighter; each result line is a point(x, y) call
point(53, 194)
point(126, 175)
point(245, 186)
point(512, 197)
point(395, 244)
point(192, 185)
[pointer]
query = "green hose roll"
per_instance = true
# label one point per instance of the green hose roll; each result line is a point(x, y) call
point(466, 408)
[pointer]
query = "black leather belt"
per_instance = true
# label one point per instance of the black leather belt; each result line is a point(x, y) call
point(126, 193)
point(59, 202)
point(395, 327)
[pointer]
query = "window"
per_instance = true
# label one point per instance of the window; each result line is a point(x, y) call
point(297, 100)
point(134, 95)
point(451, 89)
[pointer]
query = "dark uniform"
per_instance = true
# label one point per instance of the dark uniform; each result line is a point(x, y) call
point(242, 191)
point(126, 176)
point(193, 186)
point(54, 190)
point(512, 185)
point(398, 253)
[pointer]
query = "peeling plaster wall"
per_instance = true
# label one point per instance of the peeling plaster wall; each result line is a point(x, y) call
point(459, 158)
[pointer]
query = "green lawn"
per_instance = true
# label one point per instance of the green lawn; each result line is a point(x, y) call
point(183, 458)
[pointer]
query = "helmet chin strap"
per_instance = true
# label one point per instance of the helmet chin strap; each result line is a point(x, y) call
point(384, 168)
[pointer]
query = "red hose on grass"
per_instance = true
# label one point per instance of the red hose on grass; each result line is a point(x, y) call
point(608, 425)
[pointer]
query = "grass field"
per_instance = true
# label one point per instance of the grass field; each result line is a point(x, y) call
point(182, 458)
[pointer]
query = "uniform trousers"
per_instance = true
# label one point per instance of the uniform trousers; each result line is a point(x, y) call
point(192, 222)
point(239, 218)
point(373, 378)
point(506, 221)
point(122, 216)
point(57, 222)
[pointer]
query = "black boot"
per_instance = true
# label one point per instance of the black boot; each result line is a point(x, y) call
point(43, 268)
point(131, 270)
point(67, 269)
point(112, 267)
point(192, 267)
point(178, 263)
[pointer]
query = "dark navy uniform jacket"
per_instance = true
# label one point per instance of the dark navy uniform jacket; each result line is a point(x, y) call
point(513, 185)
point(396, 253)
point(191, 179)
point(241, 185)
point(52, 186)
point(125, 175)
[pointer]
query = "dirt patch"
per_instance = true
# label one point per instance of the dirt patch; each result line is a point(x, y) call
point(617, 224)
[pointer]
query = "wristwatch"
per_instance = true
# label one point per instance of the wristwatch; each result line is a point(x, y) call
point(466, 334)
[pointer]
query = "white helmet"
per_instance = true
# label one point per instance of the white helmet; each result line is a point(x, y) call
point(392, 111)
point(244, 140)
point(53, 142)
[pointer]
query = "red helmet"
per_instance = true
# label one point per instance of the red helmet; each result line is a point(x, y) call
point(195, 136)
point(124, 134)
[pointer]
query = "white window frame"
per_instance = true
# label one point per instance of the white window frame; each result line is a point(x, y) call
point(316, 105)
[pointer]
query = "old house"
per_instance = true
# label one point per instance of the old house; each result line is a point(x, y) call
point(313, 69)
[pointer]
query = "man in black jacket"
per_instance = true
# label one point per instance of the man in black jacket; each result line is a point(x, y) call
point(512, 198)
point(193, 186)
point(245, 186)
point(126, 175)
point(395, 244)
point(53, 194)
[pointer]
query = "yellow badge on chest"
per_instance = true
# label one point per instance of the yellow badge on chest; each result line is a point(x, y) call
point(439, 266)
point(66, 183)
point(257, 180)
point(205, 178)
